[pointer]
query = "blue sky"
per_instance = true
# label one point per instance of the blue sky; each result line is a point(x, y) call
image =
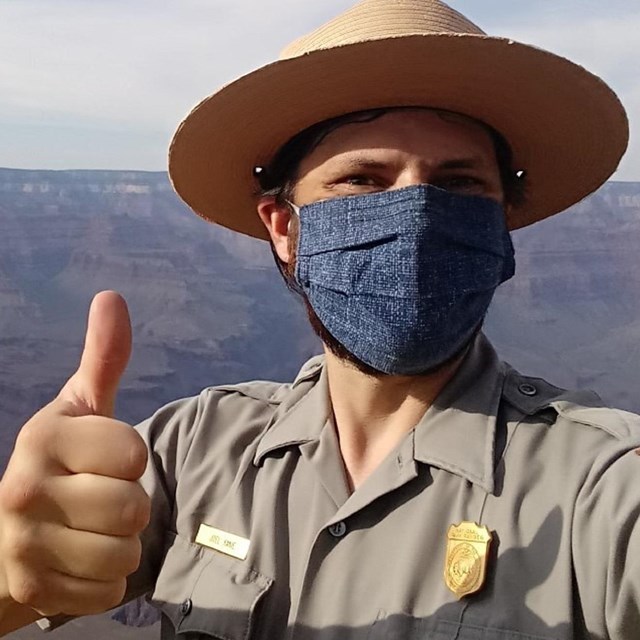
point(103, 83)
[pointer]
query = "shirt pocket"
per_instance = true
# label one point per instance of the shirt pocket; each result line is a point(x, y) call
point(406, 627)
point(203, 593)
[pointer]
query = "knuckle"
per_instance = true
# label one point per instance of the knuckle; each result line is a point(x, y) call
point(130, 558)
point(119, 560)
point(114, 594)
point(135, 514)
point(19, 493)
point(26, 589)
point(137, 456)
point(20, 548)
point(128, 456)
point(34, 436)
point(146, 512)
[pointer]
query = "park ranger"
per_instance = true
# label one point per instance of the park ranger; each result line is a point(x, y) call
point(407, 484)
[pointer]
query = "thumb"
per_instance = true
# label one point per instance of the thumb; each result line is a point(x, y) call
point(107, 347)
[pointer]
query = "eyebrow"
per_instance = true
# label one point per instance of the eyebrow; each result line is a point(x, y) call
point(367, 163)
point(472, 162)
point(363, 162)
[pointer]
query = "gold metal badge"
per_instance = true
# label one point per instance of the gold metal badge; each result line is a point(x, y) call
point(227, 543)
point(467, 555)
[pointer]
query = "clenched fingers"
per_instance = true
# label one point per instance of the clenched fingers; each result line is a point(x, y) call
point(87, 502)
point(93, 556)
point(79, 554)
point(104, 446)
point(83, 444)
point(50, 593)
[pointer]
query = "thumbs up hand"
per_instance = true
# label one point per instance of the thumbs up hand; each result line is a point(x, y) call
point(71, 508)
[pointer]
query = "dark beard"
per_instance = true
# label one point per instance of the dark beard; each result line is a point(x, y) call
point(335, 346)
point(287, 270)
point(343, 354)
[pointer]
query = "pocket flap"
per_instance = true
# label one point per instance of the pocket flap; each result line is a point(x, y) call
point(203, 591)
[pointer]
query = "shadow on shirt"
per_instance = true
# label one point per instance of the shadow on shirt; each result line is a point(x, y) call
point(468, 619)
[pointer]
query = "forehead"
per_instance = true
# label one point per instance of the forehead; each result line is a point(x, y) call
point(428, 134)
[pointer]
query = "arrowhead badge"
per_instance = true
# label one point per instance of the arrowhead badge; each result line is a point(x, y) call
point(467, 556)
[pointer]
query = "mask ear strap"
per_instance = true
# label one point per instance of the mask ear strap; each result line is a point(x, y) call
point(294, 207)
point(296, 210)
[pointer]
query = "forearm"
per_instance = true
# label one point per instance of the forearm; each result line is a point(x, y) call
point(14, 616)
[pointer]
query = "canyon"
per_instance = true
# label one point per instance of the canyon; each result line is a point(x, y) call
point(208, 306)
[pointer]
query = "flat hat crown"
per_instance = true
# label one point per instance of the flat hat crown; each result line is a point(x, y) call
point(378, 19)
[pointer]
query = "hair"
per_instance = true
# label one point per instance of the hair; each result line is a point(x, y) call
point(278, 180)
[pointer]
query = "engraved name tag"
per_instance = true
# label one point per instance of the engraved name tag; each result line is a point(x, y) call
point(224, 542)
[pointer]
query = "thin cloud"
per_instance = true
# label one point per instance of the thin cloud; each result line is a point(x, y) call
point(139, 63)
point(135, 68)
point(607, 45)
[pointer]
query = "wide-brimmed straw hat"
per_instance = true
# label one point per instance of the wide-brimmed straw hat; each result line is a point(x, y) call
point(566, 127)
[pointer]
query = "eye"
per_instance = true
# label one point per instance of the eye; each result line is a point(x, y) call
point(462, 184)
point(358, 180)
point(355, 183)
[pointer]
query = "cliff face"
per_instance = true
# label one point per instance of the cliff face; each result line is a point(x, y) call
point(572, 313)
point(208, 305)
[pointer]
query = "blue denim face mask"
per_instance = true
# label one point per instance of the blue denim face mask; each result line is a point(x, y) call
point(403, 278)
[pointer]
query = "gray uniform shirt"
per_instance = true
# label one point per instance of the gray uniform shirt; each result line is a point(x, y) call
point(551, 474)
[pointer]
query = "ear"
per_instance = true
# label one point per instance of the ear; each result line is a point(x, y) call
point(275, 218)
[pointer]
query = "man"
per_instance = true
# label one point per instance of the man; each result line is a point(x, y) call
point(407, 484)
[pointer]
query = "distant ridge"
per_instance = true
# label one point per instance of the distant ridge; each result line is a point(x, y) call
point(208, 306)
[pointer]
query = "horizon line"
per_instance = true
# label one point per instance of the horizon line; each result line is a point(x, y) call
point(166, 172)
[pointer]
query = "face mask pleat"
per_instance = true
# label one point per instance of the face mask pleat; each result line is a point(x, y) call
point(403, 278)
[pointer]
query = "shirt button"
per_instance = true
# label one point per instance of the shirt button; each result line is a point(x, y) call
point(527, 390)
point(338, 529)
point(185, 607)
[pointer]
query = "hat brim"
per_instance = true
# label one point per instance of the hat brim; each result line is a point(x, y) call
point(566, 127)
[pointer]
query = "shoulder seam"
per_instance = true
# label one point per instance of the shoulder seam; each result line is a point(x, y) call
point(625, 426)
point(588, 423)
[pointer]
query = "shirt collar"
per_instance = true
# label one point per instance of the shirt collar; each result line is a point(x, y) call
point(457, 433)
point(302, 413)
